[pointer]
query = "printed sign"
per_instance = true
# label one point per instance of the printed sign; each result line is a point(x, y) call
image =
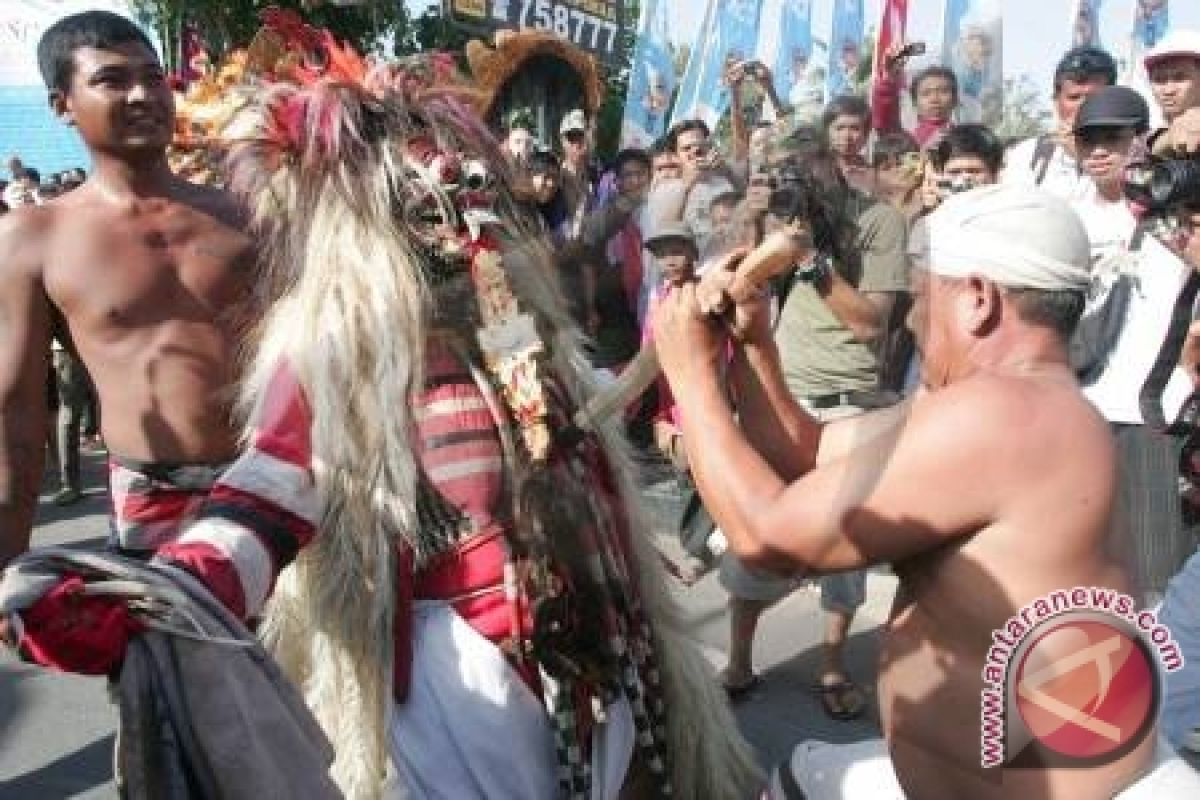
point(593, 25)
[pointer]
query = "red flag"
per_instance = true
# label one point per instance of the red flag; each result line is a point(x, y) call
point(893, 19)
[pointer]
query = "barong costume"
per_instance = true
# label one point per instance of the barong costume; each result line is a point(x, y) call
point(454, 575)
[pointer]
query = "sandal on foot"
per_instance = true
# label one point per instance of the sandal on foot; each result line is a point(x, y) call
point(842, 701)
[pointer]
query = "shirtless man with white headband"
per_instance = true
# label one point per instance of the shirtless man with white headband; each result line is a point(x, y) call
point(990, 490)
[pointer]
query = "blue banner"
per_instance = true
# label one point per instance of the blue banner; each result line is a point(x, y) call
point(794, 67)
point(845, 49)
point(1085, 24)
point(1150, 21)
point(729, 35)
point(651, 80)
point(973, 46)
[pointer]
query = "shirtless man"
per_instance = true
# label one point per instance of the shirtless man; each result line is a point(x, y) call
point(136, 269)
point(943, 489)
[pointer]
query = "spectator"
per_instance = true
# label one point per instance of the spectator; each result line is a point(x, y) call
point(1124, 332)
point(934, 93)
point(664, 163)
point(737, 76)
point(1174, 68)
point(897, 171)
point(834, 312)
point(545, 175)
point(518, 141)
point(846, 124)
point(580, 177)
point(72, 387)
point(967, 156)
point(1050, 160)
point(21, 190)
point(614, 235)
point(705, 174)
point(1180, 611)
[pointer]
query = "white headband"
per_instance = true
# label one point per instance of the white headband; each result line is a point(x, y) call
point(1016, 236)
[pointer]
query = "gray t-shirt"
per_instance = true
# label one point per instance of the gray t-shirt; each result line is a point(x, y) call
point(820, 355)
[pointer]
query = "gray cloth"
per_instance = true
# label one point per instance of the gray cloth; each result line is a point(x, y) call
point(204, 711)
point(1148, 502)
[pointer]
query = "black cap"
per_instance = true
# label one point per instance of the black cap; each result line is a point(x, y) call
point(1082, 63)
point(1114, 107)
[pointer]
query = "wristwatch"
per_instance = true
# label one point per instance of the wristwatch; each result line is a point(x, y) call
point(816, 272)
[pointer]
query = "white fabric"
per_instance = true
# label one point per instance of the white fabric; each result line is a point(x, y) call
point(859, 771)
point(1171, 778)
point(282, 483)
point(470, 728)
point(1156, 276)
point(1014, 235)
point(1062, 179)
point(863, 771)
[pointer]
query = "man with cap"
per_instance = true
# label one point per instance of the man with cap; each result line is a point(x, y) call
point(1125, 333)
point(580, 178)
point(1174, 68)
point(1050, 160)
point(944, 488)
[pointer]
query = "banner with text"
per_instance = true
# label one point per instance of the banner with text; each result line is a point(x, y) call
point(593, 25)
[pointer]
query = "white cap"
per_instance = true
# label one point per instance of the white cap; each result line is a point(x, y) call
point(1016, 236)
point(573, 121)
point(1175, 44)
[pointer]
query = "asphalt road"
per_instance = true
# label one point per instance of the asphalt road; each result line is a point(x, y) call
point(56, 731)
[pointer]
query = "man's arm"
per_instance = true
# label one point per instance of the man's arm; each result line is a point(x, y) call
point(869, 507)
point(774, 423)
point(865, 314)
point(865, 309)
point(25, 324)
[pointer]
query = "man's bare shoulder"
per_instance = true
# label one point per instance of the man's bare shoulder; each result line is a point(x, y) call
point(1009, 413)
point(23, 235)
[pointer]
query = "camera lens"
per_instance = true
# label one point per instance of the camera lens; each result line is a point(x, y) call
point(1175, 182)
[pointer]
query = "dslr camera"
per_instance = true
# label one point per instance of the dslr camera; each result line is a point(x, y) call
point(1161, 187)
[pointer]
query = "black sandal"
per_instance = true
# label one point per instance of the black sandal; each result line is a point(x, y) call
point(834, 700)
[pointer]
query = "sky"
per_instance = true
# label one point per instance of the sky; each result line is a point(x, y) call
point(1036, 32)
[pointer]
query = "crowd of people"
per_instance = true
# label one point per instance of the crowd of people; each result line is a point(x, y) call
point(969, 359)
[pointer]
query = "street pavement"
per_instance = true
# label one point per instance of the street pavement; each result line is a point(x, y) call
point(56, 731)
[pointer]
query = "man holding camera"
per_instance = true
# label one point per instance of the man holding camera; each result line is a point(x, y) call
point(1174, 69)
point(1050, 160)
point(1127, 343)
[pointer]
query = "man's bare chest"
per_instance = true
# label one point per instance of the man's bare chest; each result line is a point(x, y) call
point(134, 270)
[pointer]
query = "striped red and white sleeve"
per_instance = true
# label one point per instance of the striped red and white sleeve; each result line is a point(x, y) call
point(262, 511)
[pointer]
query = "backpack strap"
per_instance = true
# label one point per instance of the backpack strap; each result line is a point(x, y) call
point(1043, 151)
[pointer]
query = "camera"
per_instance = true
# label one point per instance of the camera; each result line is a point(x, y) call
point(1163, 185)
point(956, 185)
point(912, 49)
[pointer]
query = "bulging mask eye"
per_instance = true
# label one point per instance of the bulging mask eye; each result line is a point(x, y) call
point(476, 176)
